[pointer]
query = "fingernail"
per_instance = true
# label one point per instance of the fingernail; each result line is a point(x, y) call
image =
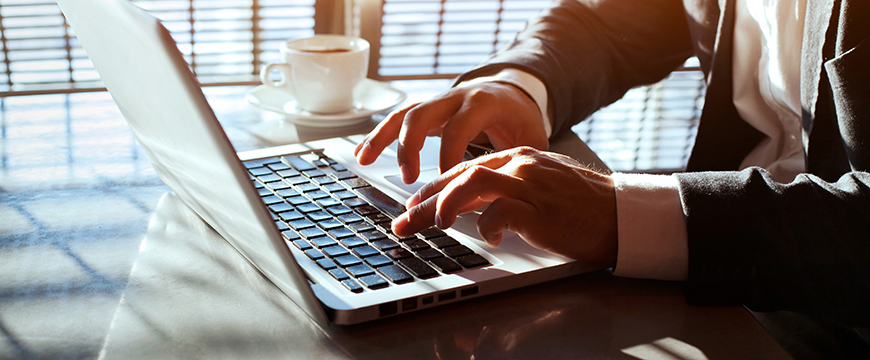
point(406, 174)
point(363, 151)
point(413, 200)
point(438, 221)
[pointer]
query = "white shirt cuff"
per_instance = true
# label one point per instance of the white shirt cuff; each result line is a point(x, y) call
point(523, 80)
point(652, 229)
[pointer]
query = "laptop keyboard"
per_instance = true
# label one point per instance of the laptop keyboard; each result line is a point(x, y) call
point(342, 223)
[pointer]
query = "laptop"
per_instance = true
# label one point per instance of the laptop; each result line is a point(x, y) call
point(307, 216)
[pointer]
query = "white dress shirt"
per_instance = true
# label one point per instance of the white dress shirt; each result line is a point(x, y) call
point(766, 70)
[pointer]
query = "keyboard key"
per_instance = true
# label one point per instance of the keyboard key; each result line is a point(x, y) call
point(323, 180)
point(319, 215)
point(445, 265)
point(290, 215)
point(314, 173)
point(378, 260)
point(385, 244)
point(278, 166)
point(346, 195)
point(312, 233)
point(297, 180)
point(339, 210)
point(366, 210)
point(352, 285)
point(429, 254)
point(335, 251)
point(395, 274)
point(355, 202)
point(260, 171)
point(359, 270)
point(330, 224)
point(323, 241)
point(314, 254)
point(281, 225)
point(456, 251)
point(352, 218)
point(280, 207)
point(269, 178)
point(302, 245)
point(260, 162)
point(365, 250)
point(279, 185)
point(327, 202)
point(382, 201)
point(341, 232)
point(298, 163)
point(300, 224)
point(290, 235)
point(285, 193)
point(307, 187)
point(380, 218)
point(334, 188)
point(288, 173)
point(355, 183)
point(307, 208)
point(338, 167)
point(347, 260)
point(373, 235)
point(339, 274)
point(417, 245)
point(389, 232)
point(352, 241)
point(298, 200)
point(473, 260)
point(344, 174)
point(432, 233)
point(418, 268)
point(398, 253)
point(269, 200)
point(258, 185)
point(326, 264)
point(318, 194)
point(374, 281)
point(443, 242)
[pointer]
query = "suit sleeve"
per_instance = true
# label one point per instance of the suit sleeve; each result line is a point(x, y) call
point(589, 53)
point(803, 246)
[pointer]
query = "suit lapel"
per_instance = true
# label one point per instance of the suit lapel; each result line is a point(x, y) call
point(723, 138)
point(818, 19)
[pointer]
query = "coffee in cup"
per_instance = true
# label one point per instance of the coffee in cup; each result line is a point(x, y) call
point(323, 73)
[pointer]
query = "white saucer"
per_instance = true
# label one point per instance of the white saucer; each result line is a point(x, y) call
point(376, 97)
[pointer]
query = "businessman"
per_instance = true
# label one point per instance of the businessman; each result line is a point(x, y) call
point(774, 209)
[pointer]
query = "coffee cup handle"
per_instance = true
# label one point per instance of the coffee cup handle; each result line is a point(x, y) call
point(282, 68)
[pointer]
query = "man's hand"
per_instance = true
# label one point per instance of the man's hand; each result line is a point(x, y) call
point(500, 112)
point(553, 202)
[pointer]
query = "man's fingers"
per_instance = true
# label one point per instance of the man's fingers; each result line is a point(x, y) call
point(418, 123)
point(492, 161)
point(505, 214)
point(476, 183)
point(422, 216)
point(419, 217)
point(382, 136)
point(466, 125)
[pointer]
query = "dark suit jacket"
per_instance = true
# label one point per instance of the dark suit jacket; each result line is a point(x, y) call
point(803, 246)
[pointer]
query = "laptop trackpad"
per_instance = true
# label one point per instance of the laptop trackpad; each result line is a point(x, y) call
point(426, 175)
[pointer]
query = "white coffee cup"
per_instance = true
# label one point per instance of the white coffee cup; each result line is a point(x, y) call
point(323, 73)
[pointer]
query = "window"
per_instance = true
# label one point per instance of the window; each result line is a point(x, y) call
point(225, 41)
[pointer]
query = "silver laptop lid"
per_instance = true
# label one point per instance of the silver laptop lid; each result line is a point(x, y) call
point(159, 96)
